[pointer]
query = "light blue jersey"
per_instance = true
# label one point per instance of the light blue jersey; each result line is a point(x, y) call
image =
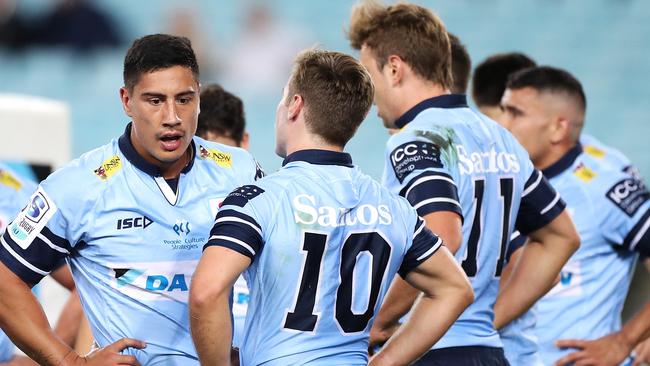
point(611, 211)
point(132, 239)
point(448, 157)
point(14, 193)
point(325, 241)
point(519, 339)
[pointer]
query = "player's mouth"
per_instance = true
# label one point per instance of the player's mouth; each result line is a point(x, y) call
point(171, 141)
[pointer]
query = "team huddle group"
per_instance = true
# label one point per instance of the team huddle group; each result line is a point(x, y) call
point(513, 235)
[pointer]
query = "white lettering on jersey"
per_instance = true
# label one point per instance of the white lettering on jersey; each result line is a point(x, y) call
point(32, 219)
point(486, 162)
point(307, 213)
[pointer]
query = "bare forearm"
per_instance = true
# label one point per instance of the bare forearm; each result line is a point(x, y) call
point(24, 321)
point(398, 302)
point(637, 329)
point(212, 331)
point(533, 276)
point(67, 327)
point(430, 318)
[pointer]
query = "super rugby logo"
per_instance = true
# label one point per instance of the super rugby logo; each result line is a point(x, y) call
point(37, 208)
point(32, 219)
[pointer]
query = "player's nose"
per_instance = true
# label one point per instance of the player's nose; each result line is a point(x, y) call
point(171, 116)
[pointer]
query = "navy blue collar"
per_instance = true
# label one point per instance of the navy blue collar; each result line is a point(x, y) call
point(320, 157)
point(124, 142)
point(442, 101)
point(564, 163)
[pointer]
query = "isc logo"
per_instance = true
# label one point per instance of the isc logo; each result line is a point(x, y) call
point(134, 222)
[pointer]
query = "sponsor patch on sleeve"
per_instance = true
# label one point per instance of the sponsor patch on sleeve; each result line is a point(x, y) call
point(415, 155)
point(628, 194)
point(222, 159)
point(32, 219)
point(241, 196)
point(109, 167)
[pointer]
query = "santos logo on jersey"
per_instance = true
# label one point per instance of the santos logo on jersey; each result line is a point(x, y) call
point(307, 213)
point(486, 162)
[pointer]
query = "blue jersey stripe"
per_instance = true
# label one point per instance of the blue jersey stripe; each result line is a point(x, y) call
point(425, 244)
point(638, 238)
point(539, 206)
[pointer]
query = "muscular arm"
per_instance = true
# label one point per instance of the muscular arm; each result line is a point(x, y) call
point(446, 293)
point(210, 321)
point(24, 321)
point(401, 296)
point(538, 266)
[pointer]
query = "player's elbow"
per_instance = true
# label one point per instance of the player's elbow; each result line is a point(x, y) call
point(204, 297)
point(466, 294)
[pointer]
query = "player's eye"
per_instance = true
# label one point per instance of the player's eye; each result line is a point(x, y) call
point(155, 101)
point(184, 100)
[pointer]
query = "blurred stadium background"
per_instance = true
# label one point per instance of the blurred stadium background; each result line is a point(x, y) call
point(75, 56)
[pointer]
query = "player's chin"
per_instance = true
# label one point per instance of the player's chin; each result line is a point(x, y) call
point(169, 154)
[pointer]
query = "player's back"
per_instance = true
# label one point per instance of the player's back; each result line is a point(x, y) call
point(491, 172)
point(333, 240)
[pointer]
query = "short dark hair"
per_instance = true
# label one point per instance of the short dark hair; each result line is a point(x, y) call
point(491, 76)
point(548, 79)
point(337, 92)
point(461, 65)
point(155, 52)
point(222, 113)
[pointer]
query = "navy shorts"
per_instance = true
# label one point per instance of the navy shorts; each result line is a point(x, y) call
point(464, 356)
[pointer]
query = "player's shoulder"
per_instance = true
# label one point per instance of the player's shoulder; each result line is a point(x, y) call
point(605, 183)
point(600, 151)
point(86, 176)
point(223, 156)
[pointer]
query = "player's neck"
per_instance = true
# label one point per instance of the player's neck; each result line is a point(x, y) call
point(417, 91)
point(311, 143)
point(553, 156)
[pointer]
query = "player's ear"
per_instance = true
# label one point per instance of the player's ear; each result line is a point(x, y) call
point(296, 106)
point(245, 141)
point(394, 69)
point(560, 129)
point(125, 97)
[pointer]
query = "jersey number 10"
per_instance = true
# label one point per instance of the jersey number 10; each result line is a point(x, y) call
point(302, 317)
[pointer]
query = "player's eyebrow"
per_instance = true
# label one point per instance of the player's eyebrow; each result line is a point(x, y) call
point(153, 95)
point(186, 93)
point(512, 109)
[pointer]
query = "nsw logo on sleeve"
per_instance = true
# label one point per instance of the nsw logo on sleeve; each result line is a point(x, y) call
point(241, 196)
point(414, 155)
point(629, 194)
point(32, 219)
point(222, 159)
